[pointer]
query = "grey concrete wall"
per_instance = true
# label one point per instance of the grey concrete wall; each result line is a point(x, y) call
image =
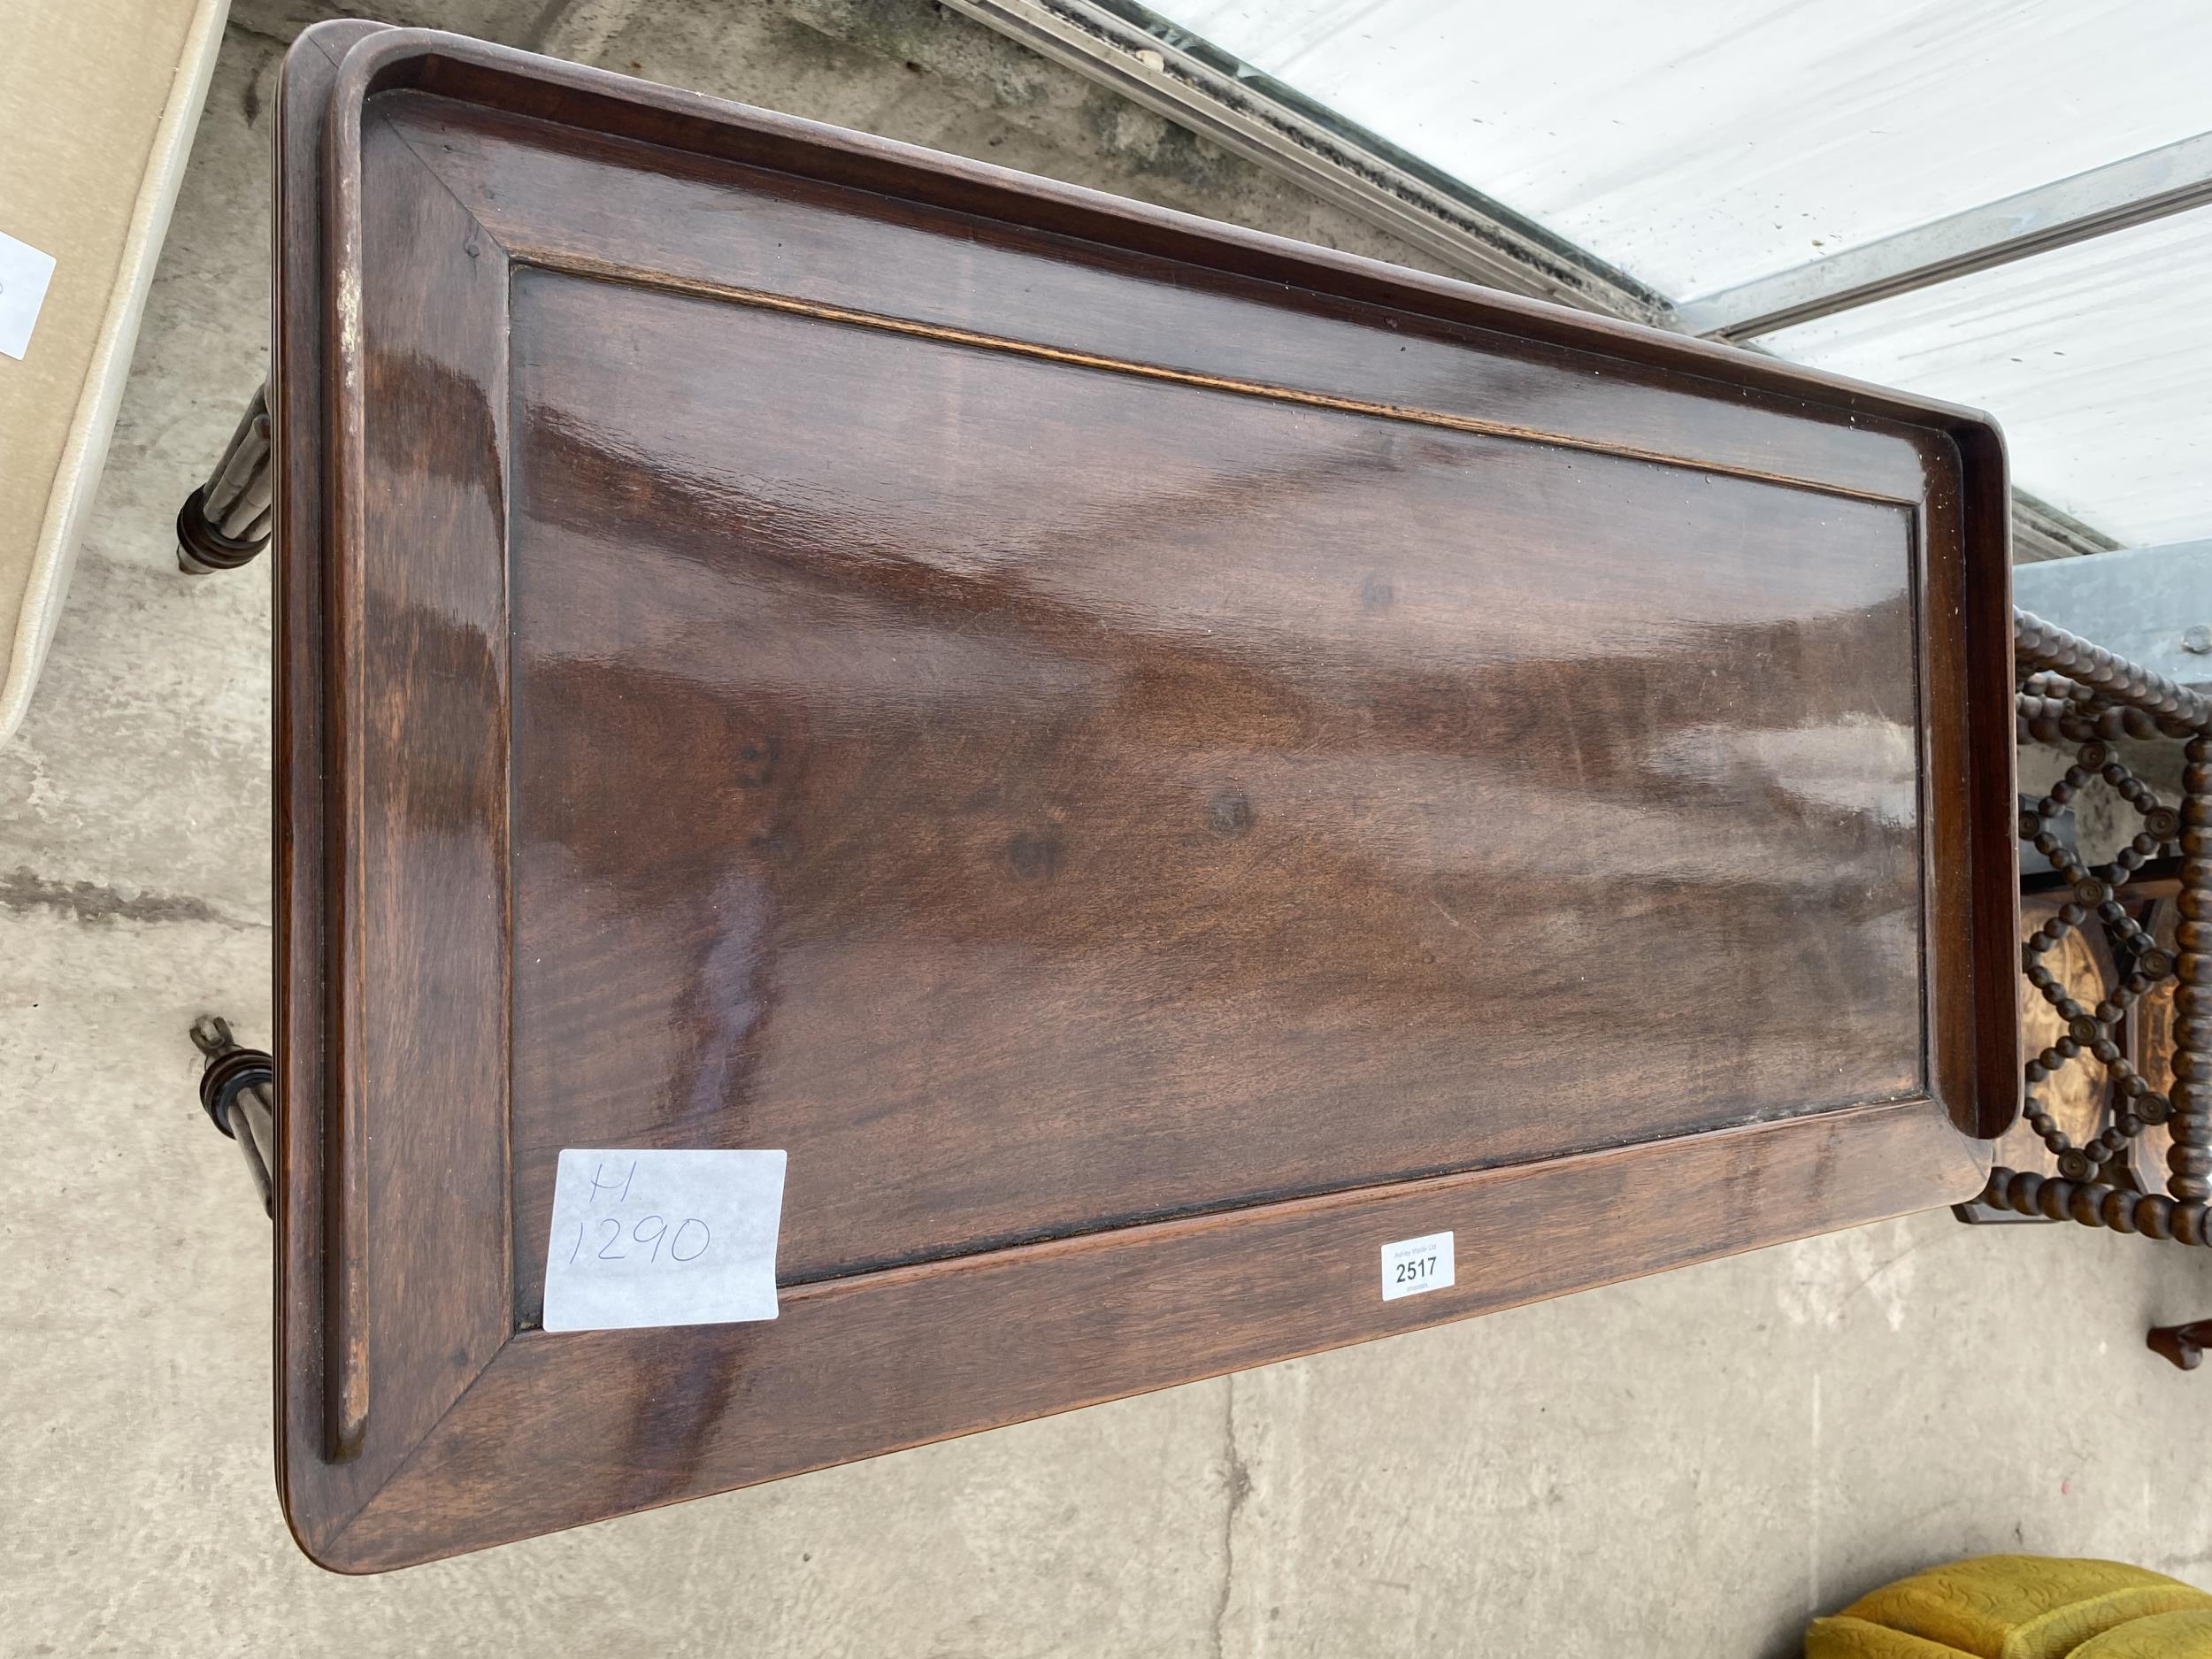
point(1684, 1466)
point(902, 69)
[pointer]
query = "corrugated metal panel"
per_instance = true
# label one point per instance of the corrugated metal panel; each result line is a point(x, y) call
point(1701, 144)
point(2096, 359)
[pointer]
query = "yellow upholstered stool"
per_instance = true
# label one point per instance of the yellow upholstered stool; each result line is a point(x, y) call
point(2022, 1606)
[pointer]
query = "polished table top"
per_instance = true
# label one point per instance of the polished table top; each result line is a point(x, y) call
point(1150, 763)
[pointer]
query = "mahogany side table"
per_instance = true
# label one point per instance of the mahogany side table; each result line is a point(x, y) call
point(1154, 764)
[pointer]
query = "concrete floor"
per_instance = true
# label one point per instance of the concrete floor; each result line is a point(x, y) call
point(1689, 1465)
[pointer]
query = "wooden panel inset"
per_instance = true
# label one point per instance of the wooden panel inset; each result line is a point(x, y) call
point(1042, 797)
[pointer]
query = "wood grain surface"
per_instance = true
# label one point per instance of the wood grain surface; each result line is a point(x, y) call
point(1151, 760)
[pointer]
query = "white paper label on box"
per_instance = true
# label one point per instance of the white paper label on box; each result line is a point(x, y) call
point(24, 274)
point(646, 1238)
point(1412, 1265)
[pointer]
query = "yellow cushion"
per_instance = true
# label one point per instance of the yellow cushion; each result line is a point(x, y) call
point(2017, 1607)
point(2162, 1636)
point(1844, 1637)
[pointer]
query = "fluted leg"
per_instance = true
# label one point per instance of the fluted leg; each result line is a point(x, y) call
point(225, 522)
point(235, 1092)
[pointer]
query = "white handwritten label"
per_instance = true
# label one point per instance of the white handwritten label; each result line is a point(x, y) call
point(1413, 1265)
point(24, 274)
point(647, 1237)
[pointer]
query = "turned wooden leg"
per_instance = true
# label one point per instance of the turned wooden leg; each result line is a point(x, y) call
point(234, 1091)
point(225, 522)
point(2184, 1344)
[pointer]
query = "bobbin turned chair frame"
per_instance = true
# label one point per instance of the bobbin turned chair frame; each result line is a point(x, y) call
point(2075, 695)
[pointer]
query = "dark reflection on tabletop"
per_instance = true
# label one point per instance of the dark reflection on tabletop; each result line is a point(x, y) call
point(1038, 798)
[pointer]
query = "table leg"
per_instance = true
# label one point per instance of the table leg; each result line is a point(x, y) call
point(235, 1090)
point(2184, 1344)
point(225, 522)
